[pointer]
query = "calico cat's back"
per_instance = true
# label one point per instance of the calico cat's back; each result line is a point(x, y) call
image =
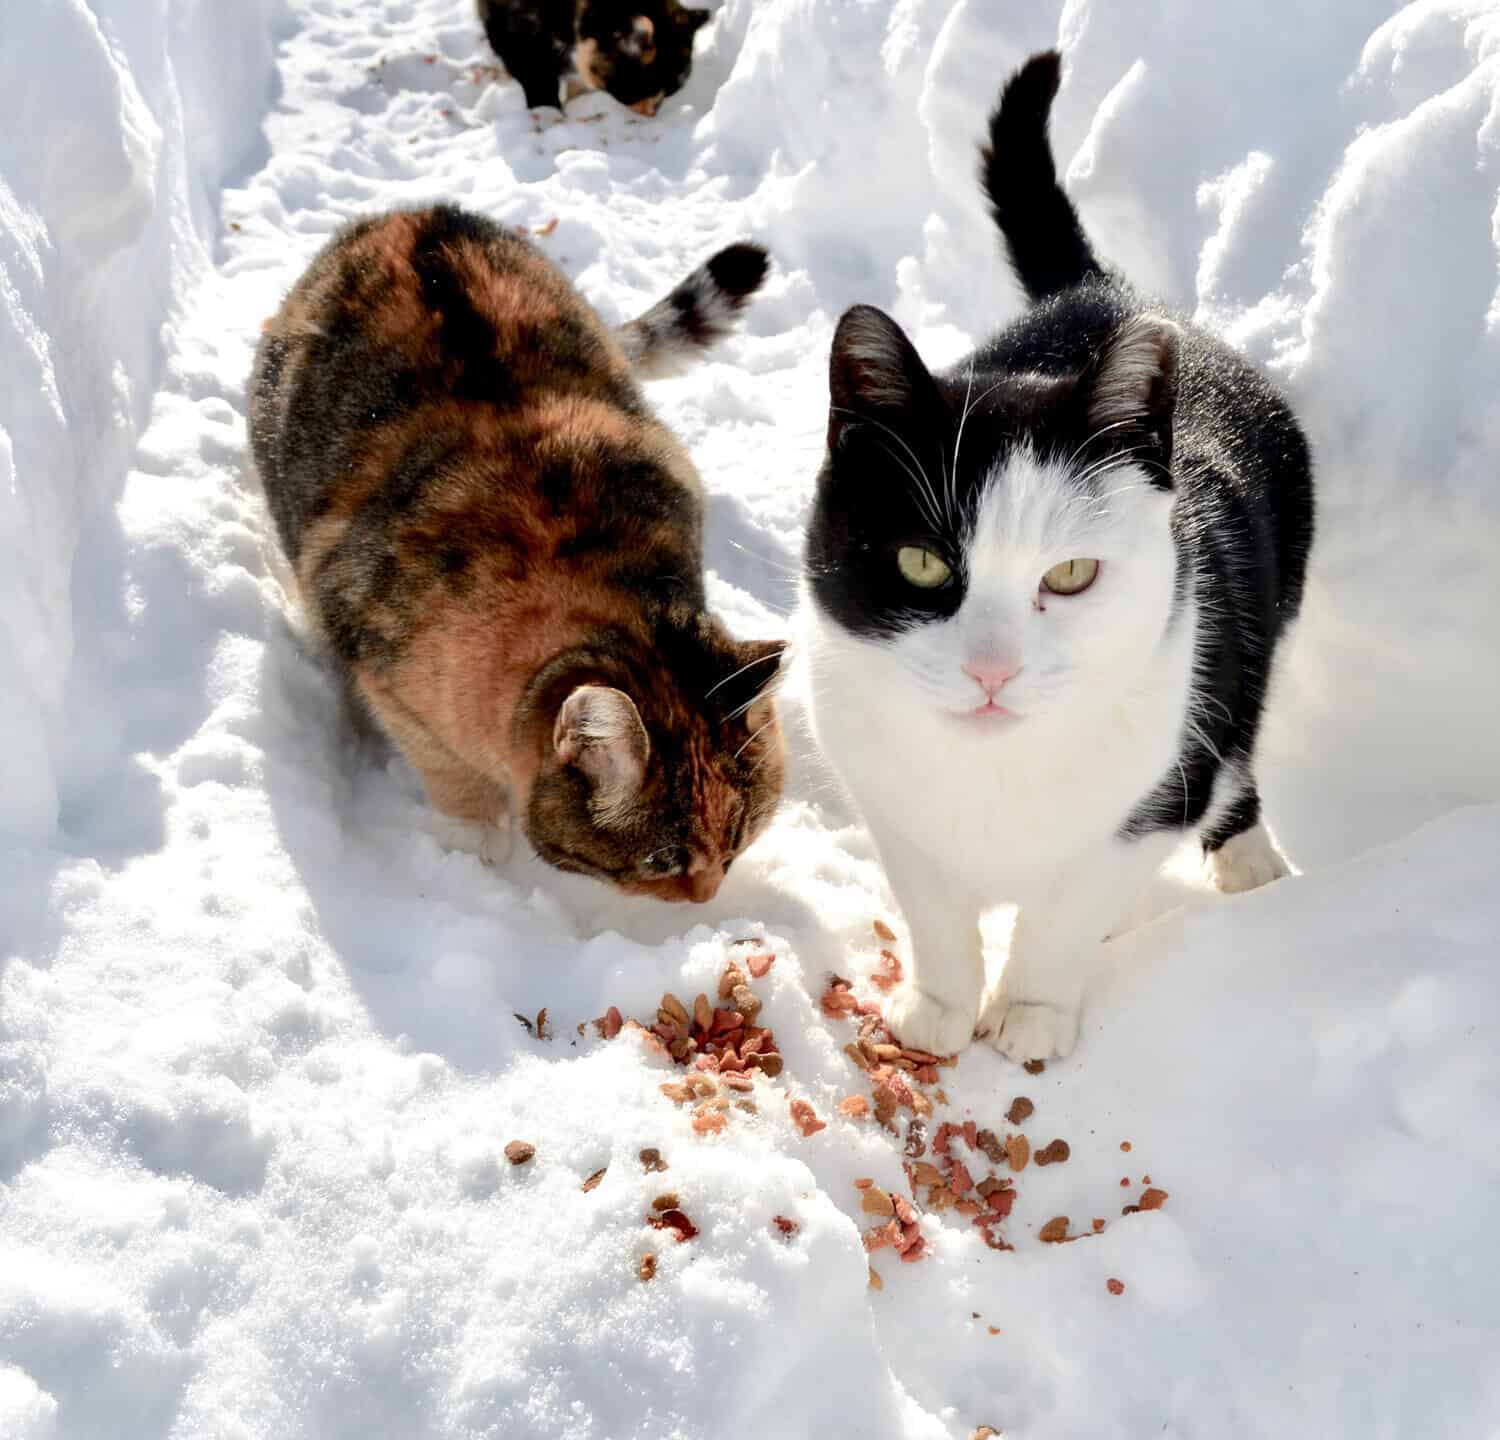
point(438, 413)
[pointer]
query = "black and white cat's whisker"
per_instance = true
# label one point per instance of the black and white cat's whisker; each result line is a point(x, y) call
point(918, 475)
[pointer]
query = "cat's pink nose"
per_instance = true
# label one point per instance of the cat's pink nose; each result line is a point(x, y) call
point(990, 675)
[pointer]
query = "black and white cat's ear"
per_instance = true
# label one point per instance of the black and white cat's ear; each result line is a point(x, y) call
point(874, 372)
point(1135, 378)
point(599, 732)
point(693, 19)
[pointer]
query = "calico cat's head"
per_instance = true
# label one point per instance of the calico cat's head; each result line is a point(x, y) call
point(662, 763)
point(640, 51)
point(992, 548)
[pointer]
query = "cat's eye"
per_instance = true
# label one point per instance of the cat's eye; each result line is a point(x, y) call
point(1072, 577)
point(670, 860)
point(922, 568)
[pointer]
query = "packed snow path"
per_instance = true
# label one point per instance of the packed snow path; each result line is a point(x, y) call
point(259, 1060)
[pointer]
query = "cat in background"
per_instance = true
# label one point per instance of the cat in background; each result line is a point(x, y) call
point(1042, 595)
point(501, 545)
point(640, 51)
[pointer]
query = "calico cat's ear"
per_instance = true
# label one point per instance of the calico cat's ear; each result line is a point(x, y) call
point(1135, 378)
point(599, 732)
point(874, 372)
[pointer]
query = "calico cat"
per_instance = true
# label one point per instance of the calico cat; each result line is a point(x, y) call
point(640, 51)
point(502, 546)
point(1041, 597)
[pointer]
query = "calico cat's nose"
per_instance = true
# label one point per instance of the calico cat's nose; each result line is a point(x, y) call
point(990, 675)
point(705, 883)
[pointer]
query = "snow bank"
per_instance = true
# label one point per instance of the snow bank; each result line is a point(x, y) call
point(259, 1053)
point(121, 120)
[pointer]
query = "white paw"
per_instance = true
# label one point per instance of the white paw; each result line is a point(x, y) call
point(1022, 1031)
point(491, 843)
point(922, 1022)
point(497, 842)
point(1248, 861)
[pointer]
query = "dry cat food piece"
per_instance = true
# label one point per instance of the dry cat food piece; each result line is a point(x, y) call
point(877, 1237)
point(709, 1122)
point(856, 1107)
point(994, 1151)
point(610, 1025)
point(1034, 1067)
point(759, 966)
point(651, 1160)
point(666, 1201)
point(805, 1118)
point(1115, 1287)
point(1055, 1230)
point(1153, 1199)
point(1098, 1226)
point(924, 1174)
point(784, 1227)
point(986, 1432)
point(1020, 1110)
point(703, 1012)
point(858, 1056)
point(876, 1283)
point(884, 932)
point(1125, 1146)
point(876, 1202)
point(518, 1152)
point(676, 1092)
point(594, 1179)
point(1018, 1152)
point(1053, 1154)
point(959, 1180)
point(676, 1222)
point(731, 977)
point(647, 1270)
point(675, 1009)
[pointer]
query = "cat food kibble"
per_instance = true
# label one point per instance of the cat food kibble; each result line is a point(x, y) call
point(1020, 1110)
point(1055, 1230)
point(647, 1269)
point(1115, 1287)
point(518, 1152)
point(1054, 1153)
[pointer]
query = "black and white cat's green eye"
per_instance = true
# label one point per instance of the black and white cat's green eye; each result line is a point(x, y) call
point(1072, 577)
point(922, 568)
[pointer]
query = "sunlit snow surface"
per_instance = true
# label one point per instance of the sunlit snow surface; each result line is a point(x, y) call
point(258, 1053)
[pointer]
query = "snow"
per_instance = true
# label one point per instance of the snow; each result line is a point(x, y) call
point(258, 1053)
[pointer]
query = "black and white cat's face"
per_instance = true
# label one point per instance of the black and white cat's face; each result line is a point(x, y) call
point(640, 51)
point(995, 546)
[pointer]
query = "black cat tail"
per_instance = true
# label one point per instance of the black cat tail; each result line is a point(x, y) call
point(1043, 237)
point(696, 314)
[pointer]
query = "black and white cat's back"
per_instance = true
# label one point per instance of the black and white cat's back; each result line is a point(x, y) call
point(640, 51)
point(1042, 597)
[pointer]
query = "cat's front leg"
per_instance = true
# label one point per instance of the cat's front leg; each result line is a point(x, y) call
point(936, 1006)
point(1056, 946)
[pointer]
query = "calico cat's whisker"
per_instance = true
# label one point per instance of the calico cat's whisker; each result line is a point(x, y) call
point(759, 660)
point(752, 702)
point(754, 736)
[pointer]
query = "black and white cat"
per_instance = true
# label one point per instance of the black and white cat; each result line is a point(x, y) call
point(1041, 597)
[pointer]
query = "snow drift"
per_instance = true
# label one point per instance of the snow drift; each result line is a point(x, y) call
point(259, 1053)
